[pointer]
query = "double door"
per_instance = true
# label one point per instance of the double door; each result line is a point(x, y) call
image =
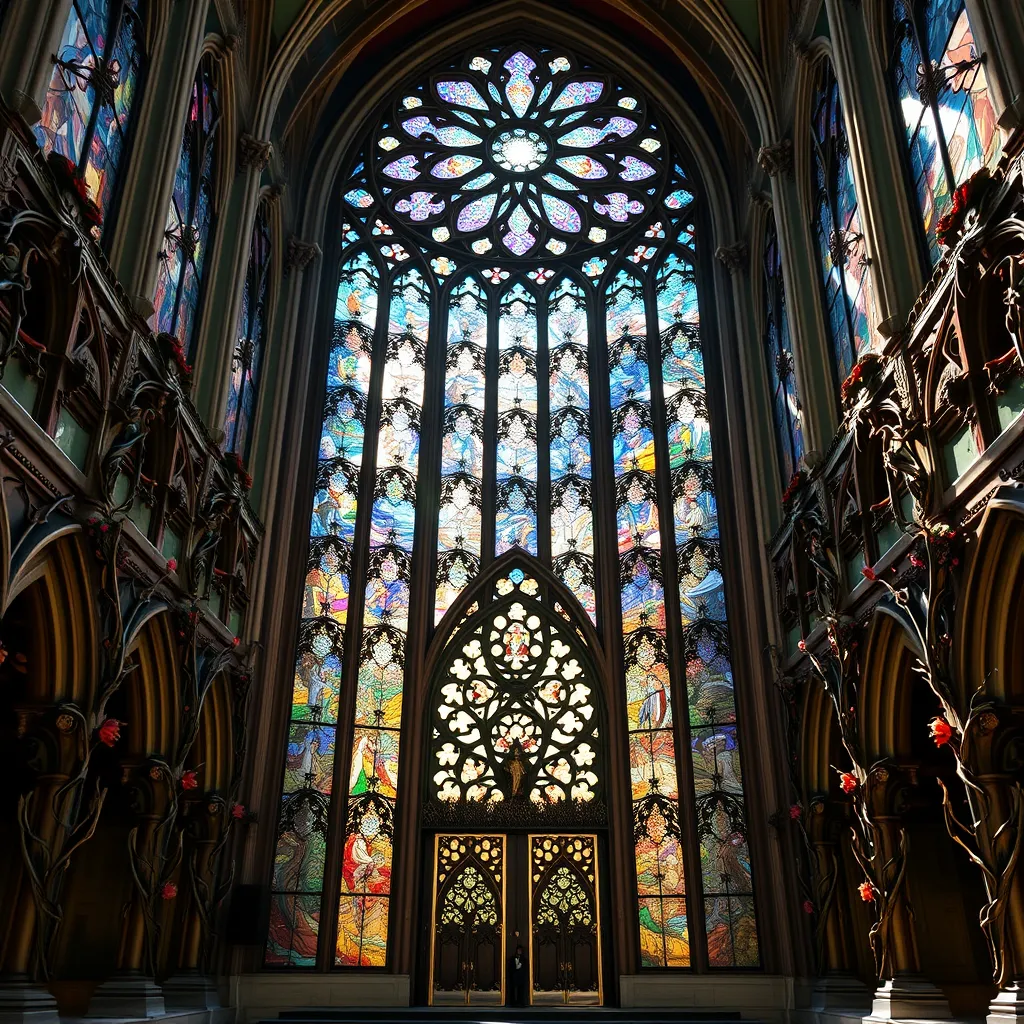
point(516, 919)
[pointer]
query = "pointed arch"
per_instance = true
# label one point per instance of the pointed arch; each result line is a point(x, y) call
point(991, 626)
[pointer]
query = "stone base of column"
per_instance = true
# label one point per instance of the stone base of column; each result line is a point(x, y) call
point(191, 990)
point(21, 1002)
point(909, 997)
point(839, 992)
point(127, 995)
point(1008, 1005)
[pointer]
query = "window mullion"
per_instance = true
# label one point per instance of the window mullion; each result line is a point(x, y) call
point(489, 492)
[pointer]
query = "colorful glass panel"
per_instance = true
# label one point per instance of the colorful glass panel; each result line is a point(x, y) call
point(846, 278)
point(373, 777)
point(183, 256)
point(298, 879)
point(516, 460)
point(247, 360)
point(664, 941)
point(572, 516)
point(942, 94)
point(462, 445)
point(552, 113)
point(89, 107)
point(705, 648)
point(786, 409)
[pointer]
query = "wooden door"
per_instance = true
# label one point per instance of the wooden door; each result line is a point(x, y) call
point(468, 949)
point(565, 959)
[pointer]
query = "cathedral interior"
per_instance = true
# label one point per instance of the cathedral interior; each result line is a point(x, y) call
point(303, 301)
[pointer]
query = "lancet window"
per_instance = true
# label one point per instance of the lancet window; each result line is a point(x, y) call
point(846, 278)
point(92, 101)
point(189, 217)
point(942, 98)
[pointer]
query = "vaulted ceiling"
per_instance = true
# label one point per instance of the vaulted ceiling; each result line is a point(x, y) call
point(309, 62)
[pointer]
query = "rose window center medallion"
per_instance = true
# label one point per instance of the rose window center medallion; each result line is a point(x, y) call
point(519, 150)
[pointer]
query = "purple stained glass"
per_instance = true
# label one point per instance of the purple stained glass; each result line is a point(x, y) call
point(455, 166)
point(420, 205)
point(462, 94)
point(402, 169)
point(619, 207)
point(589, 136)
point(519, 90)
point(582, 166)
point(577, 93)
point(477, 214)
point(519, 240)
point(634, 169)
point(561, 214)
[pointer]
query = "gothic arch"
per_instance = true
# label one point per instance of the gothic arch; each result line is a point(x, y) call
point(508, 690)
point(886, 685)
point(991, 630)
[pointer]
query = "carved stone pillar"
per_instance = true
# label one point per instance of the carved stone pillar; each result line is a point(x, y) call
point(837, 986)
point(192, 986)
point(132, 991)
point(54, 741)
point(903, 991)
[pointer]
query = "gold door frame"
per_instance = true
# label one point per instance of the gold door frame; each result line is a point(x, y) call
point(433, 902)
point(597, 903)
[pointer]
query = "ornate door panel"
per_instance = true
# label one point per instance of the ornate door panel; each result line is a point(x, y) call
point(467, 946)
point(566, 948)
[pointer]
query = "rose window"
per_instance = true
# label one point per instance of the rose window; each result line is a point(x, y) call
point(517, 153)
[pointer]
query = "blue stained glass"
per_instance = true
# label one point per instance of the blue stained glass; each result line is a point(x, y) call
point(561, 214)
point(477, 214)
point(516, 472)
point(519, 89)
point(404, 168)
point(590, 136)
point(635, 170)
point(462, 443)
point(576, 93)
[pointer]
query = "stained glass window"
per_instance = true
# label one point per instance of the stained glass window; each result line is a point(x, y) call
point(183, 255)
point(941, 91)
point(518, 357)
point(778, 348)
point(90, 105)
point(844, 266)
point(247, 360)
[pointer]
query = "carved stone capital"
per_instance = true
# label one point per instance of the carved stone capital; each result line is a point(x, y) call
point(252, 152)
point(733, 257)
point(776, 158)
point(300, 254)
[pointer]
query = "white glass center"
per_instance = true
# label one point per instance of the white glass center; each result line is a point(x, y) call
point(519, 150)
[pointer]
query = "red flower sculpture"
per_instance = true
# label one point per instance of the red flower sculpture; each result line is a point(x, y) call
point(238, 812)
point(868, 573)
point(795, 811)
point(808, 907)
point(940, 731)
point(792, 487)
point(168, 891)
point(109, 732)
point(172, 564)
point(802, 645)
point(847, 782)
point(189, 780)
point(867, 892)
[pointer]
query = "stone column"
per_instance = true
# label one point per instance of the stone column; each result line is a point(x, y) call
point(132, 991)
point(192, 987)
point(903, 992)
point(837, 987)
point(56, 744)
point(28, 45)
point(818, 393)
